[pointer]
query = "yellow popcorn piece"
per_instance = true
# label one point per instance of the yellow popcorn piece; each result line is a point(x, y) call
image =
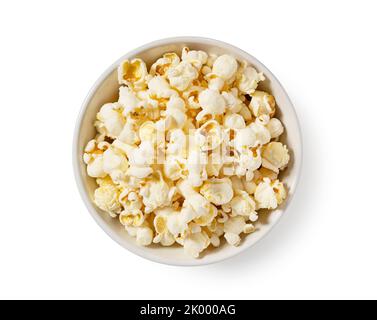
point(132, 73)
point(162, 65)
point(164, 237)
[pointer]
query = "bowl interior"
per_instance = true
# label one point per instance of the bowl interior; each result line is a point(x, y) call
point(106, 90)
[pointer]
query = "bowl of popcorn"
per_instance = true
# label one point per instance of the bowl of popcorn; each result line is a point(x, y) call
point(187, 151)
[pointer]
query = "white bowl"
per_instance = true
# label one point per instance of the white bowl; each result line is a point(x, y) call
point(105, 90)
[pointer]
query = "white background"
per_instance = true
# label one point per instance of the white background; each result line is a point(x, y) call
point(324, 53)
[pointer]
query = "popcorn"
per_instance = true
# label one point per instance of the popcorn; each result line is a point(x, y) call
point(232, 238)
point(132, 73)
point(148, 132)
point(217, 191)
point(160, 88)
point(214, 164)
point(113, 160)
point(209, 136)
point(106, 198)
point(111, 117)
point(175, 110)
point(128, 100)
point(248, 228)
point(214, 82)
point(196, 58)
point(164, 237)
point(248, 161)
point(156, 193)
point(192, 96)
point(95, 167)
point(135, 219)
point(212, 102)
point(233, 227)
point(248, 79)
point(275, 128)
point(195, 243)
point(225, 67)
point(245, 112)
point(174, 168)
point(196, 168)
point(243, 205)
point(245, 138)
point(207, 219)
point(185, 155)
point(234, 121)
point(162, 65)
point(198, 203)
point(144, 236)
point(177, 143)
point(275, 156)
point(129, 132)
point(181, 76)
point(269, 195)
point(262, 103)
point(233, 103)
point(131, 202)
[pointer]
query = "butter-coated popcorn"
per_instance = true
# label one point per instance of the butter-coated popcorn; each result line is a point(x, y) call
point(132, 73)
point(162, 65)
point(190, 151)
